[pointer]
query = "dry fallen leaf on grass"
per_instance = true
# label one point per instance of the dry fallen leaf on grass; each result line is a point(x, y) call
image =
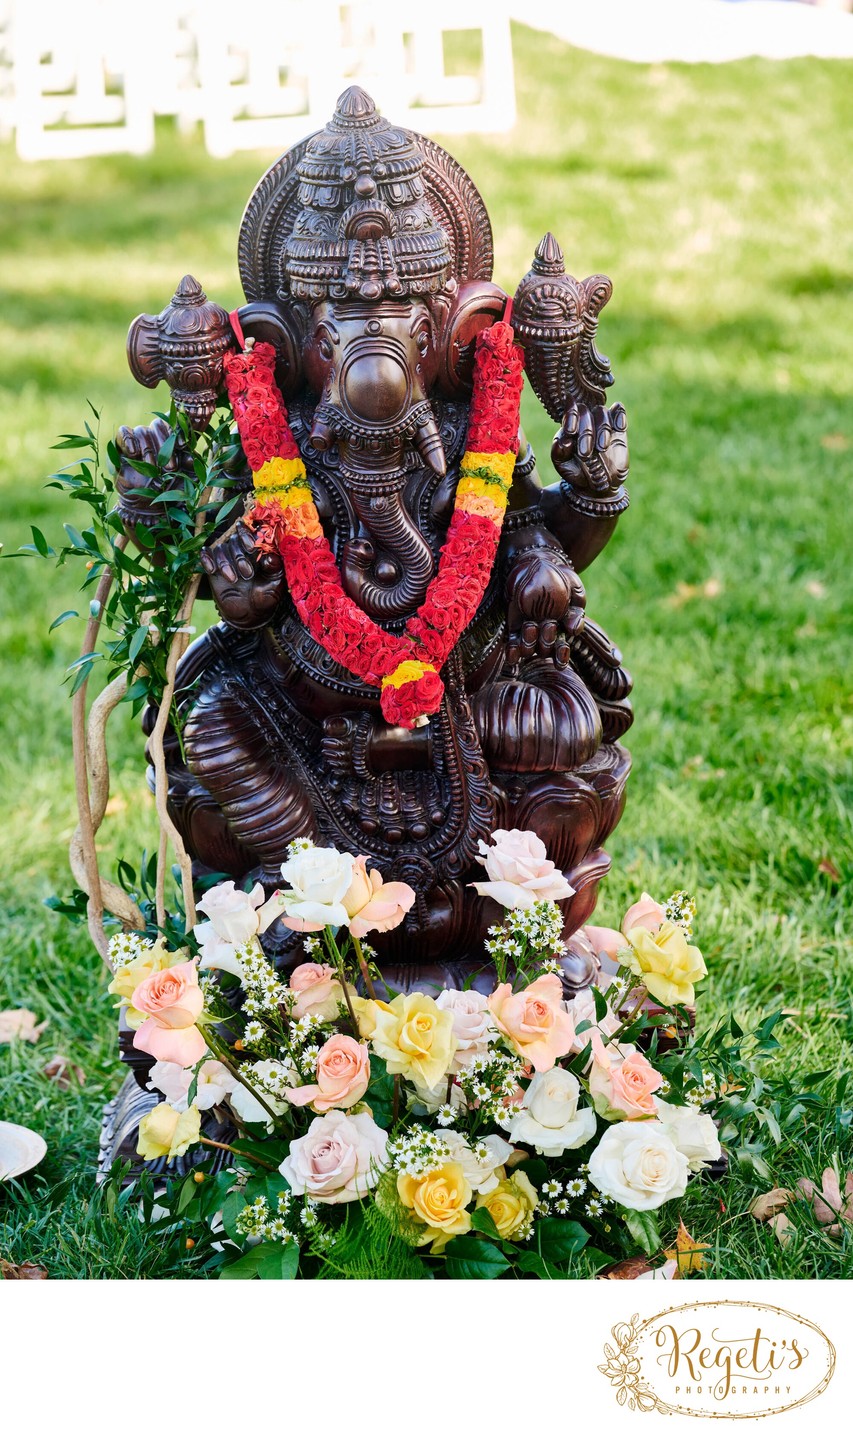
point(836, 442)
point(627, 1270)
point(782, 1227)
point(63, 1072)
point(11, 1272)
point(816, 589)
point(831, 1207)
point(711, 589)
point(20, 1023)
point(767, 1205)
point(688, 1254)
point(827, 866)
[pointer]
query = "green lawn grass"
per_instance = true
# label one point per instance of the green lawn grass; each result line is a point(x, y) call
point(714, 197)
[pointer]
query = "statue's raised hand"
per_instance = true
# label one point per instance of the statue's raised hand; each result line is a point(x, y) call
point(545, 606)
point(591, 449)
point(246, 582)
point(144, 443)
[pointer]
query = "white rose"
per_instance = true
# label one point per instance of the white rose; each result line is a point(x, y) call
point(581, 1009)
point(522, 874)
point(472, 1023)
point(637, 1164)
point(214, 952)
point(693, 1133)
point(237, 916)
point(480, 1172)
point(213, 1084)
point(549, 1118)
point(264, 1076)
point(339, 1159)
point(318, 879)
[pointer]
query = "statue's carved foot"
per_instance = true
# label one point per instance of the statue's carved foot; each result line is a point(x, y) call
point(120, 1136)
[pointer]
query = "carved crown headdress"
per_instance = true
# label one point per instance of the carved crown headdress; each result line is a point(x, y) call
point(363, 208)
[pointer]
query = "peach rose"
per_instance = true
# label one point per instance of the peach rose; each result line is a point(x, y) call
point(317, 991)
point(173, 1001)
point(374, 906)
point(622, 1082)
point(534, 1020)
point(343, 1073)
point(520, 870)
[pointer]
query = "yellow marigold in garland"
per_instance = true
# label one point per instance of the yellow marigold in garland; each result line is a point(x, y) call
point(666, 962)
point(128, 976)
point(511, 1204)
point(166, 1133)
point(438, 1199)
point(414, 1036)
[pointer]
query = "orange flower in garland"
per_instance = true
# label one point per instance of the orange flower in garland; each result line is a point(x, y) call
point(404, 668)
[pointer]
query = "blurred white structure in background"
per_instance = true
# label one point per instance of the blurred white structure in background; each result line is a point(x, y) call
point(694, 31)
point(88, 77)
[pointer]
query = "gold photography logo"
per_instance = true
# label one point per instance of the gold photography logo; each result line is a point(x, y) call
point(718, 1359)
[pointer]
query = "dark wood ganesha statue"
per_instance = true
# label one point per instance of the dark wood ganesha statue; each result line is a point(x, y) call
point(365, 255)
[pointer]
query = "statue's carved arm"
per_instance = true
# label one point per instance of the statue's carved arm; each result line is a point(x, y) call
point(590, 454)
point(246, 583)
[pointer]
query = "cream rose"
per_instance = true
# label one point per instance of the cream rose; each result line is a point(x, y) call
point(317, 991)
point(485, 1169)
point(235, 916)
point(511, 1204)
point(551, 1119)
point(343, 1073)
point(438, 1199)
point(693, 1133)
point(318, 878)
point(414, 1036)
point(339, 1159)
point(520, 870)
point(374, 906)
point(534, 1020)
point(667, 964)
point(638, 1165)
point(166, 1133)
point(213, 1084)
point(473, 1024)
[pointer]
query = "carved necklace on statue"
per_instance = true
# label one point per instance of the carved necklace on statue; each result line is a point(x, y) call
point(405, 667)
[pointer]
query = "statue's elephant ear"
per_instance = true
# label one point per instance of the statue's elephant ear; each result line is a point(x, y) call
point(459, 317)
point(282, 326)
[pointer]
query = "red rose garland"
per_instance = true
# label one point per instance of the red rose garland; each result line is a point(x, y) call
point(284, 517)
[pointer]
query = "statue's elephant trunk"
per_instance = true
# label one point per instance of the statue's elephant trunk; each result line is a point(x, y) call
point(407, 558)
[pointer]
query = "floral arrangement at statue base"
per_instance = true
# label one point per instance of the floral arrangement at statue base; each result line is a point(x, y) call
point(377, 1134)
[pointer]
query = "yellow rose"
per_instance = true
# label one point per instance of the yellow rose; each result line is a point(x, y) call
point(128, 976)
point(414, 1036)
point(439, 1200)
point(365, 1012)
point(511, 1204)
point(666, 962)
point(166, 1133)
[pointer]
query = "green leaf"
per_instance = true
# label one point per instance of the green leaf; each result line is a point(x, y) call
point(40, 542)
point(247, 1265)
point(560, 1239)
point(77, 540)
point(81, 676)
point(482, 1221)
point(136, 643)
point(231, 1209)
point(281, 1263)
point(600, 1002)
point(66, 614)
point(532, 1262)
point(474, 1257)
point(166, 449)
point(644, 1229)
